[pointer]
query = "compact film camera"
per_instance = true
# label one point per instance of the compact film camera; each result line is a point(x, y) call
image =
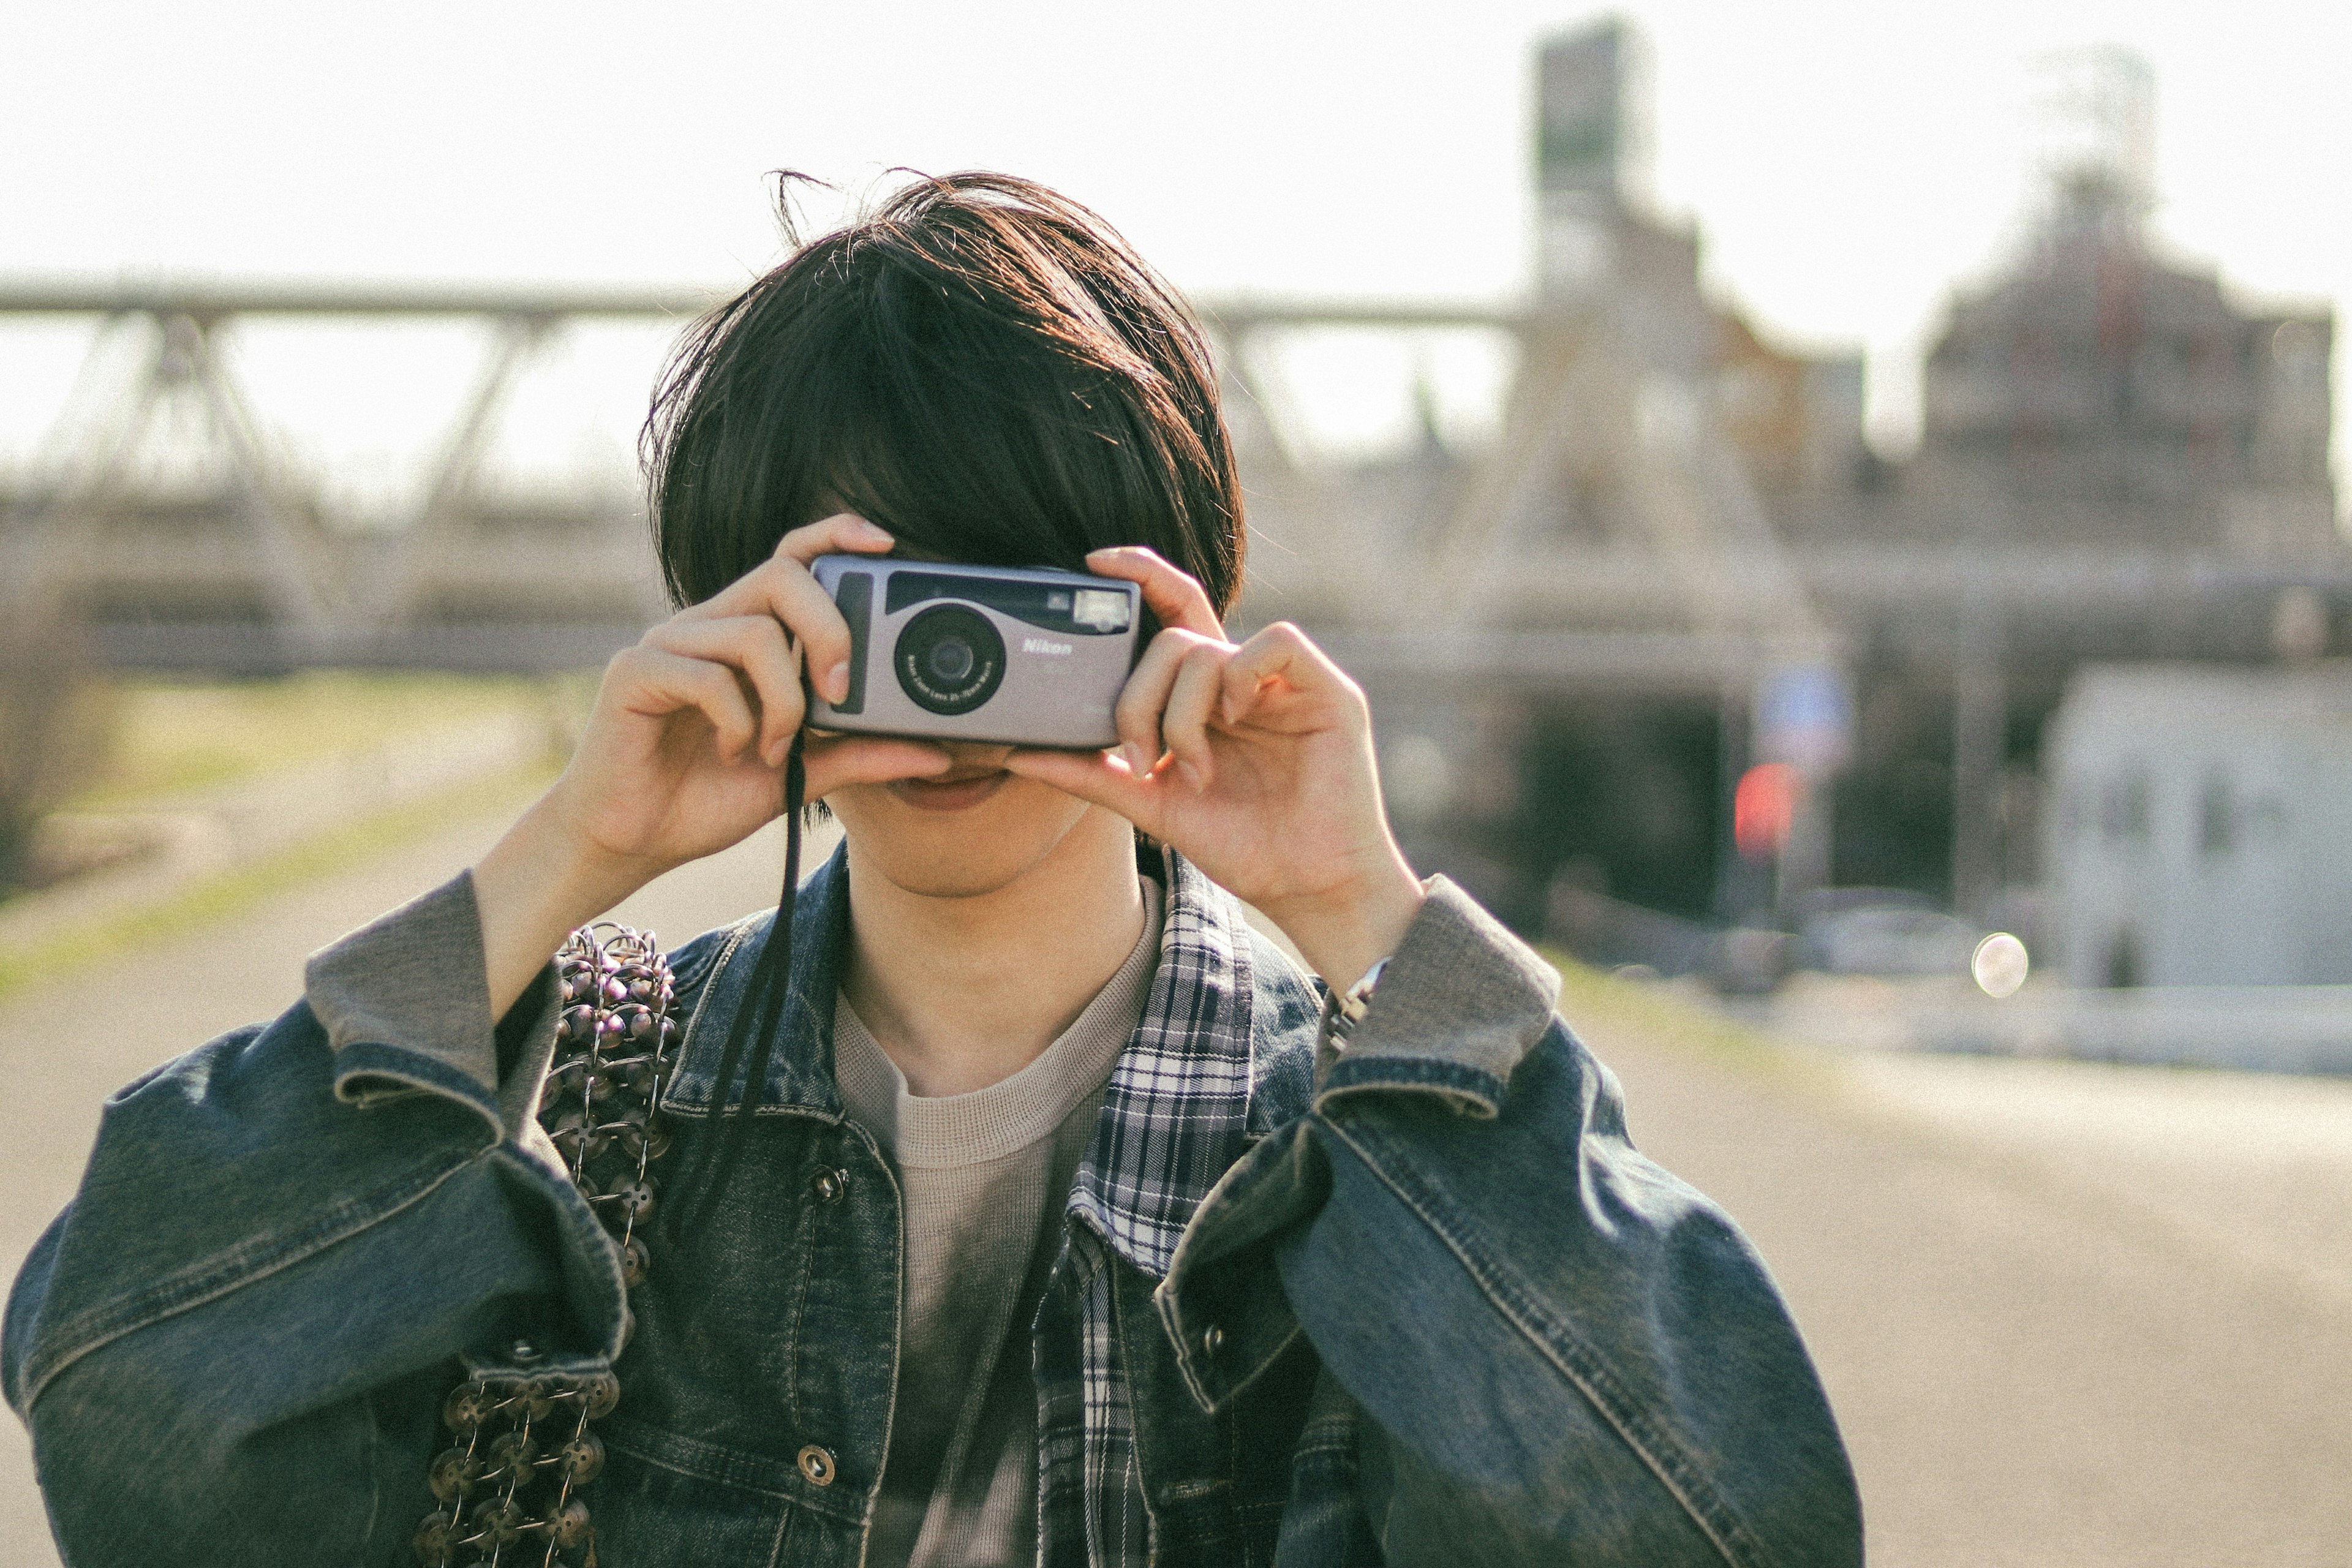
point(1011, 656)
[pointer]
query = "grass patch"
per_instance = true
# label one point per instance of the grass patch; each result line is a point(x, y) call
point(1597, 1001)
point(232, 891)
point(169, 736)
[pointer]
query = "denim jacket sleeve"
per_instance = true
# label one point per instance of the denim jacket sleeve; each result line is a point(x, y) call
point(1560, 1353)
point(235, 1334)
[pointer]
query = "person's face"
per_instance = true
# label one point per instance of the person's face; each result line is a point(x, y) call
point(970, 830)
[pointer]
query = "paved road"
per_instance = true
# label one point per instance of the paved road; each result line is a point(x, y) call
point(2069, 1316)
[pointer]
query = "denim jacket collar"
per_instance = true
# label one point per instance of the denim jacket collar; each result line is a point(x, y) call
point(1180, 1105)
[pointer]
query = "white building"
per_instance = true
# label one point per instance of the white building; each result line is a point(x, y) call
point(2202, 829)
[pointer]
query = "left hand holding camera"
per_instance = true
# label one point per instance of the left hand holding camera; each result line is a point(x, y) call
point(1254, 762)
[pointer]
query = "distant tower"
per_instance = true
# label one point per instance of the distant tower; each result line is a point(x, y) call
point(1591, 135)
point(2096, 109)
point(2100, 392)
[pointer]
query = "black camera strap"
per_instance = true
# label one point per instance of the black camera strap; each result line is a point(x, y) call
point(756, 1022)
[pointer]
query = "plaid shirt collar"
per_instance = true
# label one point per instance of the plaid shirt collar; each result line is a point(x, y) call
point(1180, 1107)
point(1176, 1112)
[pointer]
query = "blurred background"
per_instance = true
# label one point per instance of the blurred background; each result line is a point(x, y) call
point(1839, 510)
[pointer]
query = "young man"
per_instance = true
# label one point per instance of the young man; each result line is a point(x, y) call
point(1073, 1226)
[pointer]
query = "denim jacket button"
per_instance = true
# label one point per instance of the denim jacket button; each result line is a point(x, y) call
point(817, 1465)
point(1213, 1341)
point(828, 1186)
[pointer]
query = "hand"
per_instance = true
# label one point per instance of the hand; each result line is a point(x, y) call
point(1254, 762)
point(684, 754)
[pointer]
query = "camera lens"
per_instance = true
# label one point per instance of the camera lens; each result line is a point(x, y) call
point(949, 660)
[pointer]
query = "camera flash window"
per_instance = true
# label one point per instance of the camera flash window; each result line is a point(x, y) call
point(1104, 609)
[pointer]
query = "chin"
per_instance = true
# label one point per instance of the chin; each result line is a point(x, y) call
point(962, 850)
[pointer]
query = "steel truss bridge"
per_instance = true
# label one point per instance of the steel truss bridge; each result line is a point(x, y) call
point(254, 572)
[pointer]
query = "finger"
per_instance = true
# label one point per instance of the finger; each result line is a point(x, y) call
point(656, 683)
point(842, 531)
point(754, 645)
point(1200, 682)
point(1098, 778)
point(781, 588)
point(1144, 698)
point(1285, 655)
point(1177, 599)
point(836, 761)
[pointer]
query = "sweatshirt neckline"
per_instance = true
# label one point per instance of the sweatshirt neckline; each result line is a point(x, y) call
point(941, 1131)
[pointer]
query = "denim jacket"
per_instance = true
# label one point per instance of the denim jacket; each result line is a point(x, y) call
point(1414, 1300)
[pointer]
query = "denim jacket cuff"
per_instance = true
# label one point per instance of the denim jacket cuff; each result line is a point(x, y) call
point(405, 1003)
point(1461, 1001)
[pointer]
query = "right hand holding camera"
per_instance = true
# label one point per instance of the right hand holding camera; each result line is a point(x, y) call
point(684, 754)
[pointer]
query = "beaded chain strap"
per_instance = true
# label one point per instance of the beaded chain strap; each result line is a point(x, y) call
point(509, 1484)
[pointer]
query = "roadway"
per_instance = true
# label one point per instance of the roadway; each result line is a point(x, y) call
point(2068, 1315)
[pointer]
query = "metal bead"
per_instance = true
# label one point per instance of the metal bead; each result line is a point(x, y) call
point(432, 1539)
point(581, 1459)
point(468, 1406)
point(500, 1518)
point(453, 1475)
point(511, 1453)
point(828, 1186)
point(571, 1526)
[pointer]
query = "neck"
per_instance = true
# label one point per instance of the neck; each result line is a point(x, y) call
point(962, 993)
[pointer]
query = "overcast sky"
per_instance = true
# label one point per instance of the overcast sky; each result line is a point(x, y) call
point(1848, 162)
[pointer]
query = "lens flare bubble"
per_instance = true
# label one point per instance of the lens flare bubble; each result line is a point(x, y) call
point(1999, 964)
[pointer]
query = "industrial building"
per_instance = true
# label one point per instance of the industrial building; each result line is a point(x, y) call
point(2201, 829)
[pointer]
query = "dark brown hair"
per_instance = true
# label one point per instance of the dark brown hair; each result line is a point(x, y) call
point(981, 365)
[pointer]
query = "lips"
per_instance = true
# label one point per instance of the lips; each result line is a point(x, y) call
point(956, 792)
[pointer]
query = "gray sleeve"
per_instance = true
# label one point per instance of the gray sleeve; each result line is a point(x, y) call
point(1461, 1001)
point(416, 978)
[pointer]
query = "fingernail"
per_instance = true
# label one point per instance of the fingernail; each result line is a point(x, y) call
point(1137, 763)
point(1191, 776)
point(837, 682)
point(776, 750)
point(876, 529)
